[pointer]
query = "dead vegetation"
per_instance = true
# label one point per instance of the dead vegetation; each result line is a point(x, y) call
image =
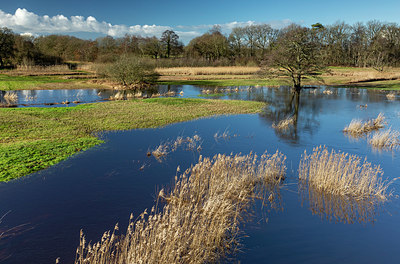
point(231, 70)
point(188, 143)
point(200, 220)
point(388, 139)
point(391, 96)
point(357, 127)
point(342, 174)
point(284, 124)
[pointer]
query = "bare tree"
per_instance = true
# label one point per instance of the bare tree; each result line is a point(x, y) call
point(296, 56)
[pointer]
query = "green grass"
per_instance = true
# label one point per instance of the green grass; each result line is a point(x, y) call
point(227, 82)
point(8, 82)
point(32, 139)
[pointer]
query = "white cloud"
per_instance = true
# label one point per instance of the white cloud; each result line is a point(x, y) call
point(23, 21)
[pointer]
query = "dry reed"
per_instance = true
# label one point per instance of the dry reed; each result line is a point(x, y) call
point(358, 127)
point(200, 220)
point(232, 70)
point(189, 143)
point(10, 96)
point(388, 139)
point(342, 174)
point(391, 96)
point(284, 124)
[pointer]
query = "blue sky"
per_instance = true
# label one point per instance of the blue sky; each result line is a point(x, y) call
point(187, 17)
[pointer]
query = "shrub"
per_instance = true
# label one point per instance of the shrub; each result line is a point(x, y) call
point(130, 71)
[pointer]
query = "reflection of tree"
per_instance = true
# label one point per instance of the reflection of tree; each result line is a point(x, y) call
point(339, 209)
point(283, 104)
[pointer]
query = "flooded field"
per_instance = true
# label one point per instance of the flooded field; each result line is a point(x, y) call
point(95, 189)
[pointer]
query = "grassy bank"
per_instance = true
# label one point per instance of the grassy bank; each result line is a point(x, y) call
point(10, 82)
point(35, 138)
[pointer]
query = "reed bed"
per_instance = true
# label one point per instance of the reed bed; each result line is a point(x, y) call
point(199, 222)
point(232, 70)
point(284, 124)
point(388, 139)
point(358, 127)
point(10, 96)
point(342, 174)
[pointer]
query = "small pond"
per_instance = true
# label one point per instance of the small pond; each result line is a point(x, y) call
point(97, 188)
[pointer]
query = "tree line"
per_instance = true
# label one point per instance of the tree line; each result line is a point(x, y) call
point(372, 44)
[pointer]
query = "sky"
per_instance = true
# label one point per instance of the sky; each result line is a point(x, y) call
point(91, 19)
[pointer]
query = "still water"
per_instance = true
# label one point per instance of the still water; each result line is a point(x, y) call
point(97, 188)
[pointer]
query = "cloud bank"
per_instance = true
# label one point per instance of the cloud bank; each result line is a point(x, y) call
point(25, 22)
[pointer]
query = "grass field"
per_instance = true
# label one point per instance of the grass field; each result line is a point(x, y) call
point(35, 138)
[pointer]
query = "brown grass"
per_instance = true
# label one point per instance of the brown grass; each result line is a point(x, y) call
point(391, 96)
point(342, 174)
point(231, 70)
point(10, 96)
point(388, 139)
point(200, 220)
point(358, 127)
point(188, 143)
point(284, 124)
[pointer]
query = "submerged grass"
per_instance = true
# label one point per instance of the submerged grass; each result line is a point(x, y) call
point(388, 139)
point(342, 174)
point(200, 220)
point(357, 127)
point(35, 138)
point(284, 124)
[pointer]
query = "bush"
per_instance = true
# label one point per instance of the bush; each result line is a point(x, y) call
point(130, 71)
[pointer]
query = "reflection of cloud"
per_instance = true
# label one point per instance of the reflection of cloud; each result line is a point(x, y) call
point(339, 209)
point(27, 22)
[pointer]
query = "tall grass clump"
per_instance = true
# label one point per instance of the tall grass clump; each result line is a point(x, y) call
point(388, 139)
point(200, 219)
point(342, 174)
point(284, 124)
point(358, 127)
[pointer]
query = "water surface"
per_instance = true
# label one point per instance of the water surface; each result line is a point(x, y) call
point(97, 188)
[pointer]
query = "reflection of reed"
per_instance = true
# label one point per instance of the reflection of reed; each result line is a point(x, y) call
point(339, 209)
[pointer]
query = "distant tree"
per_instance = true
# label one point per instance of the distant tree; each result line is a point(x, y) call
point(151, 46)
point(237, 41)
point(296, 55)
point(6, 46)
point(212, 45)
point(170, 40)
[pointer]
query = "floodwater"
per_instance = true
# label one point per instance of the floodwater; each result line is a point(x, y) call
point(95, 189)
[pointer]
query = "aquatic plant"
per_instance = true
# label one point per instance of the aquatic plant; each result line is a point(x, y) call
point(284, 124)
point(388, 139)
point(391, 96)
point(10, 96)
point(342, 174)
point(358, 127)
point(200, 220)
point(189, 143)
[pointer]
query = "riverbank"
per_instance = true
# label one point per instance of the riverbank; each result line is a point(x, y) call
point(32, 139)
